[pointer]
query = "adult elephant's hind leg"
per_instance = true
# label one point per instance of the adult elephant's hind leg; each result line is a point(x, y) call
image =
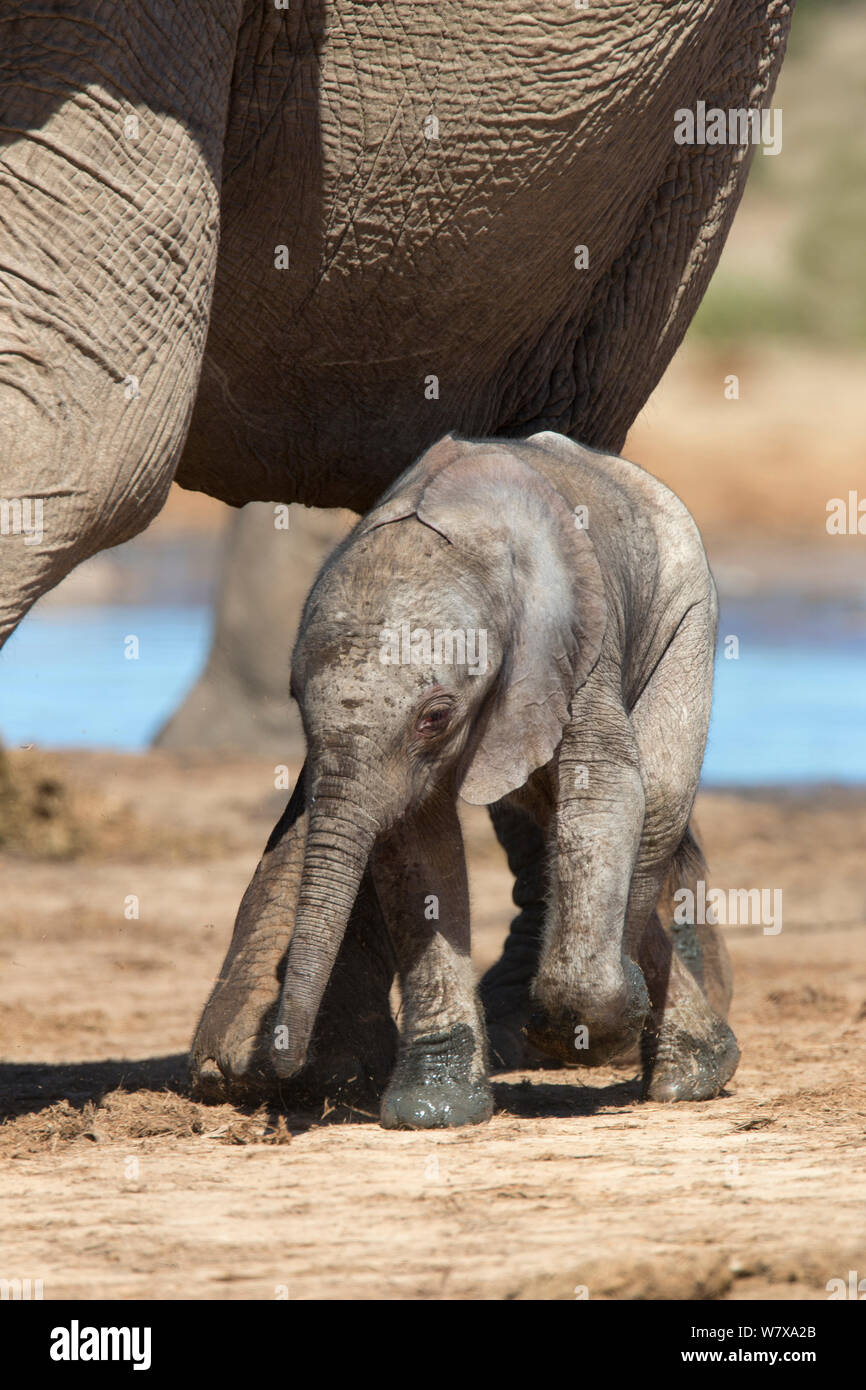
point(354, 1043)
point(688, 1051)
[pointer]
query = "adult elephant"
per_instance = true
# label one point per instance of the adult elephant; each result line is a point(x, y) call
point(275, 253)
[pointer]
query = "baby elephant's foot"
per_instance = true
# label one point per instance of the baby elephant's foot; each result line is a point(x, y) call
point(589, 1032)
point(506, 1014)
point(680, 1065)
point(505, 998)
point(439, 1083)
point(511, 1050)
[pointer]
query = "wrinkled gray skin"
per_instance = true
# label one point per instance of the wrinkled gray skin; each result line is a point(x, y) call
point(146, 333)
point(588, 723)
point(153, 156)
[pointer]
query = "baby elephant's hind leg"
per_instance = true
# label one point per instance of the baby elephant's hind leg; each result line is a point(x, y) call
point(506, 986)
point(688, 1051)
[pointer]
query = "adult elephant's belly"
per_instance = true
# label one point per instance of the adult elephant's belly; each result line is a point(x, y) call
point(401, 230)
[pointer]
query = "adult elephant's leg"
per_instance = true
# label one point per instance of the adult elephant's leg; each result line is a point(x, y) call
point(110, 172)
point(440, 1080)
point(688, 1050)
point(239, 700)
point(505, 987)
point(354, 1042)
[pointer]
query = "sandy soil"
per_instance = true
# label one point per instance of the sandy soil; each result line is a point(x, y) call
point(117, 1185)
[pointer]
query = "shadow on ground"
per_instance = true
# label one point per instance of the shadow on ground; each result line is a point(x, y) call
point(110, 1099)
point(28, 1087)
point(545, 1100)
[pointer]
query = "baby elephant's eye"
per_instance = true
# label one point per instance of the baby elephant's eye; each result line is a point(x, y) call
point(433, 720)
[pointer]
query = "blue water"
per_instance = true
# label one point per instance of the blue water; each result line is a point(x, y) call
point(790, 709)
point(792, 706)
point(65, 679)
point(786, 715)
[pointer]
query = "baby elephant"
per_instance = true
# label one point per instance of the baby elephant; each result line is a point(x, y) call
point(531, 626)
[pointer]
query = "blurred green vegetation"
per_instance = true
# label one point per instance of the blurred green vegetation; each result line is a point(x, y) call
point(821, 6)
point(809, 202)
point(737, 307)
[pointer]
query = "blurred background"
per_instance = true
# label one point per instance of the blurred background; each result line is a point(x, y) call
point(757, 462)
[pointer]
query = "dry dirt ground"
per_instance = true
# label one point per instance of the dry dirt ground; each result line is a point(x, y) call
point(116, 1185)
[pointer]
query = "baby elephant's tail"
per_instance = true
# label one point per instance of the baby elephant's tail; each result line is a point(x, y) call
point(699, 944)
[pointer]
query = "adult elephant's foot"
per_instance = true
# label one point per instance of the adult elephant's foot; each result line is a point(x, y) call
point(438, 1083)
point(588, 1030)
point(688, 1051)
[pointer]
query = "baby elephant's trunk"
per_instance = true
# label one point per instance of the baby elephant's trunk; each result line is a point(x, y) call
point(339, 840)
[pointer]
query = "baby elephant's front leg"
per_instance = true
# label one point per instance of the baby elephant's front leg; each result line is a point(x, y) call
point(590, 996)
point(419, 871)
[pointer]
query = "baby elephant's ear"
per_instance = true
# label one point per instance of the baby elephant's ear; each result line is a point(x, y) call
point(402, 498)
point(547, 601)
